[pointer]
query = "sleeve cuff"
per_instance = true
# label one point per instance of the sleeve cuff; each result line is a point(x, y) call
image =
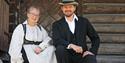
point(43, 46)
point(69, 46)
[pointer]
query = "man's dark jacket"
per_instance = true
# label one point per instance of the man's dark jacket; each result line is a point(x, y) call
point(62, 35)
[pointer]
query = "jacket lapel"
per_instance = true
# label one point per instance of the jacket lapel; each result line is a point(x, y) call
point(66, 30)
point(77, 26)
point(65, 26)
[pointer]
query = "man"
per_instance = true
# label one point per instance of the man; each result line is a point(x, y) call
point(69, 36)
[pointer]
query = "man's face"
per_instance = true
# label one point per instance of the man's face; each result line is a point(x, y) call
point(68, 10)
point(33, 15)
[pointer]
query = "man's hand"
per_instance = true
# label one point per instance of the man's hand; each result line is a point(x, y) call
point(37, 50)
point(76, 48)
point(87, 53)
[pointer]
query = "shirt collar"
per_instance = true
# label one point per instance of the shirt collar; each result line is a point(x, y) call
point(25, 22)
point(74, 17)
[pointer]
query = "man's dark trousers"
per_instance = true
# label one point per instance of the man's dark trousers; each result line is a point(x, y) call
point(69, 56)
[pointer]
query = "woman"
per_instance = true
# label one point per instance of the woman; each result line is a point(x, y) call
point(30, 42)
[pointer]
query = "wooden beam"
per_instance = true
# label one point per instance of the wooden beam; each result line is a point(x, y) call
point(118, 38)
point(103, 8)
point(111, 38)
point(106, 18)
point(104, 1)
point(111, 58)
point(110, 28)
point(111, 49)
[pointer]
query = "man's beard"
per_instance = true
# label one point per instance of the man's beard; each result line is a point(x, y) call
point(68, 15)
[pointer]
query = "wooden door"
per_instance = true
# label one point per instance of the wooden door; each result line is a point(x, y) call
point(4, 25)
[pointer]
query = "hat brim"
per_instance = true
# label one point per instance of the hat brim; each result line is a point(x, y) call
point(71, 3)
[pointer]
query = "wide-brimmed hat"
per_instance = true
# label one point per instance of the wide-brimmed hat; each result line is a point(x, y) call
point(66, 2)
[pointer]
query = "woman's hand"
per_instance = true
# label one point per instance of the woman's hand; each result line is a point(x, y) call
point(37, 50)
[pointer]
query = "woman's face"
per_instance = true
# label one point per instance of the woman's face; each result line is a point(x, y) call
point(33, 15)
